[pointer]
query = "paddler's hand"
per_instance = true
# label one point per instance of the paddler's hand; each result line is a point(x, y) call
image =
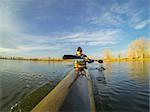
point(89, 60)
point(86, 59)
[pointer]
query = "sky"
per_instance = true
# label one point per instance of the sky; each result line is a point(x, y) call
point(52, 28)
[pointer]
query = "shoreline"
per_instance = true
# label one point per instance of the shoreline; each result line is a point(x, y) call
point(61, 60)
point(126, 60)
point(32, 59)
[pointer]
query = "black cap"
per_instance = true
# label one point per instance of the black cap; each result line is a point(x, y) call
point(79, 49)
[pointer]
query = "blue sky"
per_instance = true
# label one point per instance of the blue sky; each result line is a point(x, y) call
point(42, 28)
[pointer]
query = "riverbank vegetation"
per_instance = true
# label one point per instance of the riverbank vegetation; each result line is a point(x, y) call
point(31, 59)
point(138, 49)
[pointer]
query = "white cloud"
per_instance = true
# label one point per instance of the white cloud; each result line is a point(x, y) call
point(9, 26)
point(8, 21)
point(123, 8)
point(12, 40)
point(142, 24)
point(25, 42)
point(115, 15)
point(7, 50)
point(28, 48)
point(31, 48)
point(102, 43)
point(106, 18)
point(101, 37)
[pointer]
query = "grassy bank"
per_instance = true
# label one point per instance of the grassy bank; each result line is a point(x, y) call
point(126, 59)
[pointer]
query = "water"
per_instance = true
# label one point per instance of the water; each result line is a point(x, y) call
point(21, 81)
point(121, 87)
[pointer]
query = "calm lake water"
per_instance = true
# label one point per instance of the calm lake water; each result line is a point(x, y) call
point(121, 87)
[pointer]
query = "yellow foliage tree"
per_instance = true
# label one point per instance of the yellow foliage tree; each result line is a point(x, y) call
point(108, 54)
point(139, 48)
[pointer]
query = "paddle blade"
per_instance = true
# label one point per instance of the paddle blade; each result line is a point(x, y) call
point(71, 57)
point(100, 61)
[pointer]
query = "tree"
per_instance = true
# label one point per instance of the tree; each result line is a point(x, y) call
point(119, 55)
point(107, 54)
point(139, 48)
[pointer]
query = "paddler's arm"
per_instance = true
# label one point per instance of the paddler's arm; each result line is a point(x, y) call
point(88, 59)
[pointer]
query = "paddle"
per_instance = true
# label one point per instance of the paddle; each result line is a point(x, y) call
point(72, 57)
point(78, 57)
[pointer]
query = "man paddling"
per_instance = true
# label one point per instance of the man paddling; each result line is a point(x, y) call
point(80, 64)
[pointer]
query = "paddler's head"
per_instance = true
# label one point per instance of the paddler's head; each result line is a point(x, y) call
point(79, 51)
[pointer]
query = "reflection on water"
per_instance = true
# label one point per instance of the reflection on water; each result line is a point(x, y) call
point(108, 66)
point(122, 87)
point(138, 71)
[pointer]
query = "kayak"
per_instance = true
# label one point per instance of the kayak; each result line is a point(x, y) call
point(69, 95)
point(80, 96)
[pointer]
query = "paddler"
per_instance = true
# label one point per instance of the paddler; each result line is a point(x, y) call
point(80, 64)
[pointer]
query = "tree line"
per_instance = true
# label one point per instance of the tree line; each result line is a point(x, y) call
point(30, 59)
point(137, 49)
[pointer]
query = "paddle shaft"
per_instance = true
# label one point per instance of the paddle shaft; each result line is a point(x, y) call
point(78, 57)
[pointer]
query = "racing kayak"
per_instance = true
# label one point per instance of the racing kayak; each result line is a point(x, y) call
point(69, 95)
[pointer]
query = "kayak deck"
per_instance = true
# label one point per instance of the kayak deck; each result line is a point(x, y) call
point(78, 97)
point(69, 95)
